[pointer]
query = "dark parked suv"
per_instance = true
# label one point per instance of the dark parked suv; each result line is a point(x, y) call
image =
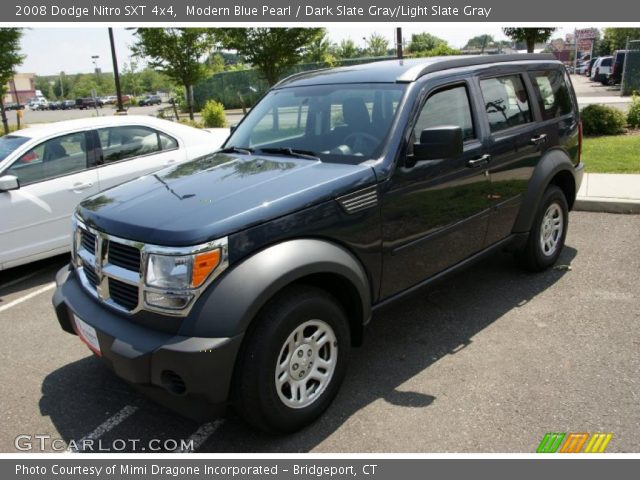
point(244, 277)
point(150, 100)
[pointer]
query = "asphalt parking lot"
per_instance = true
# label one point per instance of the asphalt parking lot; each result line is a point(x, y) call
point(488, 361)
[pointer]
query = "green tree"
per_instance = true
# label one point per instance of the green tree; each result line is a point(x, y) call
point(377, 45)
point(62, 85)
point(480, 42)
point(10, 58)
point(176, 52)
point(272, 51)
point(616, 38)
point(347, 49)
point(130, 80)
point(44, 85)
point(215, 63)
point(84, 84)
point(441, 50)
point(422, 42)
point(530, 36)
point(319, 51)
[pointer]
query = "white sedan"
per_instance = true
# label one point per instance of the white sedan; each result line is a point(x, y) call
point(46, 170)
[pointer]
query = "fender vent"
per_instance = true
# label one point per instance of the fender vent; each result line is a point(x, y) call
point(360, 200)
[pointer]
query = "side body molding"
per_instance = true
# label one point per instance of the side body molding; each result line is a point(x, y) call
point(235, 298)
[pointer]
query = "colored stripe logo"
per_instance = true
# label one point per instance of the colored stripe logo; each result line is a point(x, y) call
point(574, 443)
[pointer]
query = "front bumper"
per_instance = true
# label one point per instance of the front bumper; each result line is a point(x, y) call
point(191, 375)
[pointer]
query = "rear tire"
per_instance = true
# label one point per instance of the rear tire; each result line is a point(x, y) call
point(547, 236)
point(293, 360)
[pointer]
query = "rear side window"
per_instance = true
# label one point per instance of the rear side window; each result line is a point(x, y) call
point(447, 107)
point(506, 102)
point(555, 99)
point(120, 143)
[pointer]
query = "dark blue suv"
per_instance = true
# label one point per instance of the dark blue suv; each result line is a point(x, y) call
point(244, 277)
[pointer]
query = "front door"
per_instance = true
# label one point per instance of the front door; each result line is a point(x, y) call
point(435, 212)
point(36, 217)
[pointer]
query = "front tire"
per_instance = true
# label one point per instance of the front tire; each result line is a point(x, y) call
point(546, 239)
point(293, 360)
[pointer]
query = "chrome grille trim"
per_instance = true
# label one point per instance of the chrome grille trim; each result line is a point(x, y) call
point(98, 261)
point(360, 200)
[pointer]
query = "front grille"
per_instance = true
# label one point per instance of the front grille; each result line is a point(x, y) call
point(123, 294)
point(88, 241)
point(91, 275)
point(124, 256)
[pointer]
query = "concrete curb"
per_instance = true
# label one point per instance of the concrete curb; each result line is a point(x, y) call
point(607, 205)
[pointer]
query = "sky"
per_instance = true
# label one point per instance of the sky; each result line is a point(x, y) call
point(69, 49)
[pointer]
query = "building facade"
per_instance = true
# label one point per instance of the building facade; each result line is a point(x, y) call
point(20, 89)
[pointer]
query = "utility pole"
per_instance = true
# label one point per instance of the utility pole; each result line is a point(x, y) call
point(116, 74)
point(399, 43)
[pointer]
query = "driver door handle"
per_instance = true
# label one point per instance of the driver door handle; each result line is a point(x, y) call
point(540, 139)
point(479, 161)
point(78, 187)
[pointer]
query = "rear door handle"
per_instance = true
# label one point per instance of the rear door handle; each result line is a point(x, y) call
point(479, 161)
point(540, 139)
point(78, 187)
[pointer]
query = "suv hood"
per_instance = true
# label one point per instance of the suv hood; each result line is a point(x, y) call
point(217, 195)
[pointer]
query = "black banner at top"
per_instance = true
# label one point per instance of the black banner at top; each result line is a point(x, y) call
point(277, 11)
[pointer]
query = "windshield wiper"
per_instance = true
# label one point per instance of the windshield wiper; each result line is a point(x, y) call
point(291, 152)
point(232, 149)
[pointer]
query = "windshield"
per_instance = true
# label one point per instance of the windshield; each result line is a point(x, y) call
point(342, 123)
point(9, 143)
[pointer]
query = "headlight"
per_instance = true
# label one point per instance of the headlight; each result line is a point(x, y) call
point(169, 271)
point(177, 276)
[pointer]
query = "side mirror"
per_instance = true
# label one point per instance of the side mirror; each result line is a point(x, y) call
point(438, 143)
point(9, 182)
point(232, 128)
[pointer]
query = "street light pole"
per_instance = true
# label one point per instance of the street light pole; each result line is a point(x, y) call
point(116, 74)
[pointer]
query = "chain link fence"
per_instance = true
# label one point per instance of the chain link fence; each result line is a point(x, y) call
point(631, 68)
point(242, 88)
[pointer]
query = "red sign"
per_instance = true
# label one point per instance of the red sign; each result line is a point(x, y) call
point(586, 33)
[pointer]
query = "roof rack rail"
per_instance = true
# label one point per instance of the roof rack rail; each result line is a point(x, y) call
point(293, 76)
point(412, 74)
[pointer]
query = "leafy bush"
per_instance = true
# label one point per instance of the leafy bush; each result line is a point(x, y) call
point(440, 50)
point(12, 128)
point(602, 120)
point(213, 115)
point(191, 123)
point(633, 116)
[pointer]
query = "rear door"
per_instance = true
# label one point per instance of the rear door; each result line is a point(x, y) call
point(514, 143)
point(130, 151)
point(54, 178)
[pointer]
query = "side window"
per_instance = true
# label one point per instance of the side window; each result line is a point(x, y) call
point(555, 99)
point(447, 107)
point(120, 143)
point(167, 142)
point(53, 158)
point(506, 102)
